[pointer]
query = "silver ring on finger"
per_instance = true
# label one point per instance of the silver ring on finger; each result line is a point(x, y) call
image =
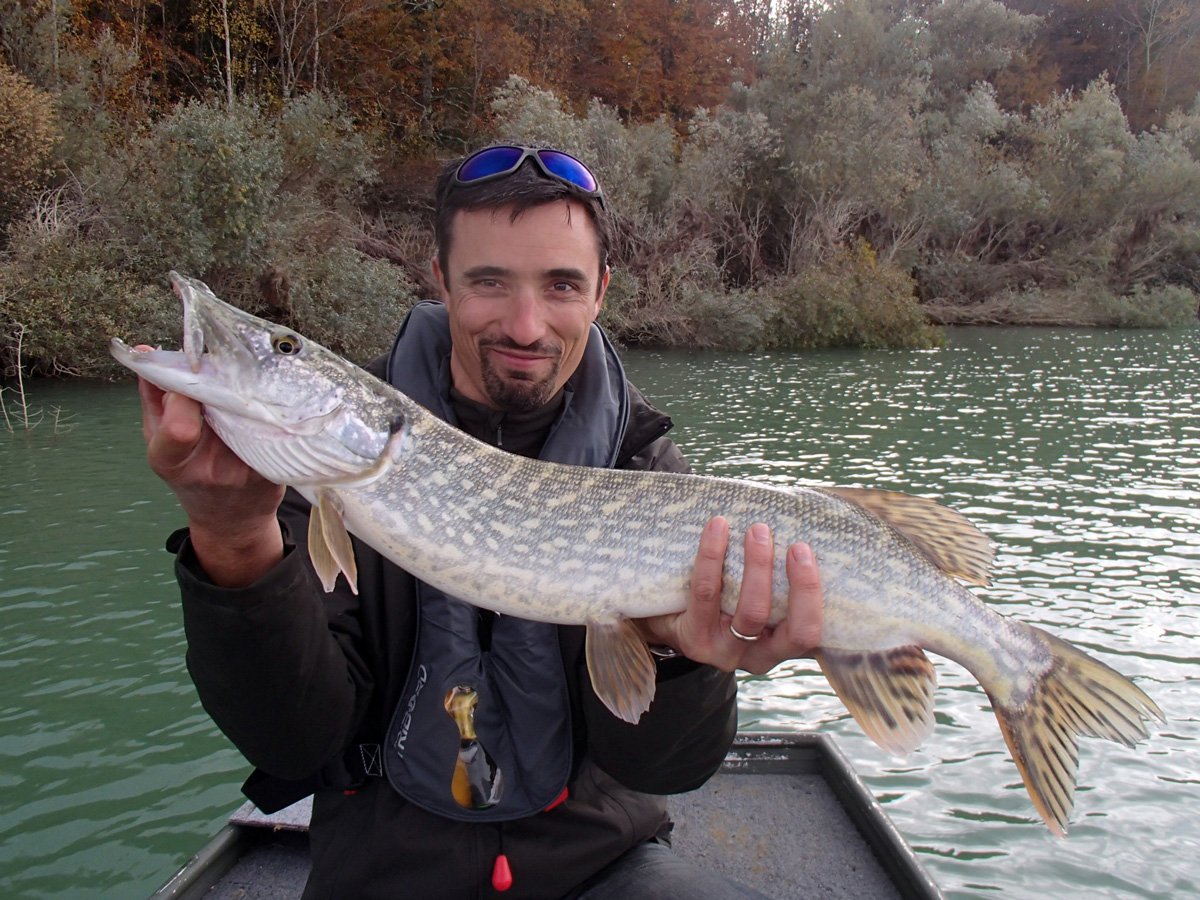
point(743, 637)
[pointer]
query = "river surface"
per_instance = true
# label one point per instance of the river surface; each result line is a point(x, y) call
point(1078, 452)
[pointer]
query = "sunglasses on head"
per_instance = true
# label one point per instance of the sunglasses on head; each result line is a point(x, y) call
point(498, 162)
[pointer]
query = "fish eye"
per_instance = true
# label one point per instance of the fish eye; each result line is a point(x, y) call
point(286, 344)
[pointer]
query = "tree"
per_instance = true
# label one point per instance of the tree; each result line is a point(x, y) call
point(1148, 49)
point(1160, 34)
point(646, 57)
point(235, 30)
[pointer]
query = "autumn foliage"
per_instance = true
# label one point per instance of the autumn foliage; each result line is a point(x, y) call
point(28, 134)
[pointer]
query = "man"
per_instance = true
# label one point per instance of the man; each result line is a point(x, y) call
point(345, 695)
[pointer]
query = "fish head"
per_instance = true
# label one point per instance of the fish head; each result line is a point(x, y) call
point(291, 409)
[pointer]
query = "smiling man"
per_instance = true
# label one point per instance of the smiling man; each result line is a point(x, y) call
point(453, 752)
point(521, 304)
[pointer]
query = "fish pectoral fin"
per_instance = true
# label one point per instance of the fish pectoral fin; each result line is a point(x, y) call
point(889, 693)
point(621, 668)
point(329, 545)
point(944, 536)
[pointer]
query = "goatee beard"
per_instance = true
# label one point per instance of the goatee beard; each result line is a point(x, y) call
point(518, 392)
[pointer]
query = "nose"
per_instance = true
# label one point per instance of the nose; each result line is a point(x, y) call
point(524, 322)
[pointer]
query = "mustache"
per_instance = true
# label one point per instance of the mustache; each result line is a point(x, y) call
point(539, 348)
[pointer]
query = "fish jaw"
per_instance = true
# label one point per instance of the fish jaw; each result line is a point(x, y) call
point(267, 392)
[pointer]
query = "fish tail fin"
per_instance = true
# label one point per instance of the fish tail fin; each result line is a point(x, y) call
point(1075, 695)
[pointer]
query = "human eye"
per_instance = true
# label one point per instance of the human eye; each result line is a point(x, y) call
point(488, 283)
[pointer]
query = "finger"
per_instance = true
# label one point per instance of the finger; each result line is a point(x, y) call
point(708, 572)
point(806, 599)
point(799, 634)
point(754, 598)
point(179, 431)
point(151, 397)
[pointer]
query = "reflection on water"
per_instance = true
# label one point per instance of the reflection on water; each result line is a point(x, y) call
point(1077, 451)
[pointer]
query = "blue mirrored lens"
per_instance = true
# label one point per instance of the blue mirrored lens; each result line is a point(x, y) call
point(568, 168)
point(489, 162)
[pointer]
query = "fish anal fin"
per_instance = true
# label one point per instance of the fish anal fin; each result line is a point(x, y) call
point(946, 537)
point(1075, 695)
point(889, 692)
point(621, 668)
point(329, 545)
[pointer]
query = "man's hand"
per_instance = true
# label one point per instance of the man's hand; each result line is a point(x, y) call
point(705, 634)
point(231, 509)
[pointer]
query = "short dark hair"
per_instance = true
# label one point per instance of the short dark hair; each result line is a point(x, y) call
point(522, 190)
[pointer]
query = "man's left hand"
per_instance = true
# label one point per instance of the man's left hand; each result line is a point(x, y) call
point(704, 633)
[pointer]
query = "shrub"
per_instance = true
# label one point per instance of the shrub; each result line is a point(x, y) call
point(1164, 306)
point(348, 302)
point(323, 155)
point(28, 136)
point(259, 207)
point(73, 294)
point(1088, 302)
point(737, 319)
point(850, 300)
point(196, 192)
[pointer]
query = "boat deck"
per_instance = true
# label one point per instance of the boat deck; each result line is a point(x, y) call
point(786, 814)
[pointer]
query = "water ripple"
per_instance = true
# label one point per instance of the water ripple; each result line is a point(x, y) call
point(1077, 452)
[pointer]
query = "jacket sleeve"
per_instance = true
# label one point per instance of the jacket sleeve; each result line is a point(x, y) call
point(275, 663)
point(683, 738)
point(680, 741)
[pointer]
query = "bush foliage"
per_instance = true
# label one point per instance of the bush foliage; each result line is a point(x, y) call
point(28, 136)
point(870, 180)
point(259, 204)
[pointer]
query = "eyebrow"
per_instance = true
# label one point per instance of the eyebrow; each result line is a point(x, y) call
point(486, 272)
point(567, 273)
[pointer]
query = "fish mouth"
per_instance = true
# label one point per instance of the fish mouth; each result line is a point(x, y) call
point(204, 326)
point(193, 324)
point(220, 362)
point(214, 356)
point(204, 333)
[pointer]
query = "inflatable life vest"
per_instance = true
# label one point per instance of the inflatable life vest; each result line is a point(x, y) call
point(482, 731)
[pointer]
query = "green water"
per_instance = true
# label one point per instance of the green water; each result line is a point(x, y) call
point(1079, 452)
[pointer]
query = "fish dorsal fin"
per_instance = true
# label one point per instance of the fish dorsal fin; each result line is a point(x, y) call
point(622, 671)
point(946, 537)
point(889, 693)
point(329, 545)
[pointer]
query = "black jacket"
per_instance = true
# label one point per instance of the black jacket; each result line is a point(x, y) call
point(300, 680)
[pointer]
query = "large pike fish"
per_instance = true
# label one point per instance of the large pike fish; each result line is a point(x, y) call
point(599, 547)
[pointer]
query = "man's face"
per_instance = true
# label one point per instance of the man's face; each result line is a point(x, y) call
point(522, 296)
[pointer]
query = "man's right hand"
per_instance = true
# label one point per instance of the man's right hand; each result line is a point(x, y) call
point(231, 509)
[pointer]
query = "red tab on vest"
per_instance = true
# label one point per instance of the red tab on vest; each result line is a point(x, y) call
point(502, 878)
